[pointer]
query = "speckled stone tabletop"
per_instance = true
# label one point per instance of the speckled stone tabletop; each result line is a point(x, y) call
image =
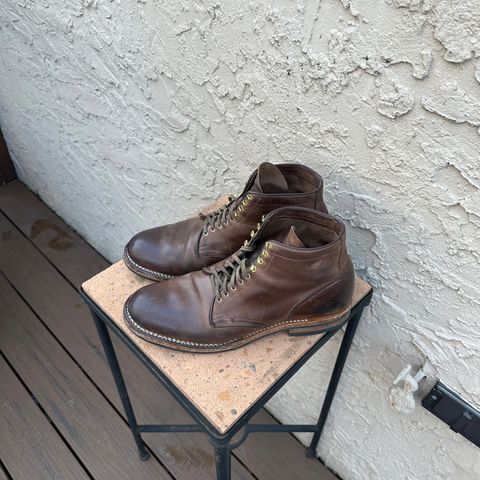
point(221, 385)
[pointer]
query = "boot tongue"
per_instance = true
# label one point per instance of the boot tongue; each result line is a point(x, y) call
point(290, 238)
point(269, 179)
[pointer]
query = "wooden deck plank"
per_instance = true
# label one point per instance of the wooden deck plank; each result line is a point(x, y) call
point(61, 245)
point(92, 428)
point(280, 456)
point(188, 456)
point(29, 446)
point(152, 402)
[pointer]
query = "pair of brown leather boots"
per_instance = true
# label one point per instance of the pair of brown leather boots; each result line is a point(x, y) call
point(268, 261)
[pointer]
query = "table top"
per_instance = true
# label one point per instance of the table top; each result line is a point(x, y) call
point(222, 386)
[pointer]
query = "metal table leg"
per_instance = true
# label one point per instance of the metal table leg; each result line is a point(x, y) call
point(334, 379)
point(223, 456)
point(120, 383)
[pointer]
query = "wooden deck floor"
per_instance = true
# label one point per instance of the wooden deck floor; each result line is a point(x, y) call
point(60, 415)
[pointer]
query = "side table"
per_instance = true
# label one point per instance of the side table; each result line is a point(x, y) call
point(220, 391)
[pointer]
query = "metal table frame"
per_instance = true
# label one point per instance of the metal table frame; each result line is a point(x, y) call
point(222, 442)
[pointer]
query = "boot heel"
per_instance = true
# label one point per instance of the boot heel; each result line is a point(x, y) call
point(317, 329)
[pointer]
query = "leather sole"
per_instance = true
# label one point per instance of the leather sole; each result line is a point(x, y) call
point(143, 271)
point(298, 327)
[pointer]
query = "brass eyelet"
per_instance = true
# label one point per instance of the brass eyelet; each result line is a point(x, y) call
point(248, 276)
point(265, 253)
point(241, 282)
point(252, 233)
point(219, 300)
point(260, 260)
point(225, 294)
point(205, 233)
point(253, 268)
point(233, 288)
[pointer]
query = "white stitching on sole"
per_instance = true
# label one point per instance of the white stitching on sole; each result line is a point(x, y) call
point(163, 276)
point(203, 345)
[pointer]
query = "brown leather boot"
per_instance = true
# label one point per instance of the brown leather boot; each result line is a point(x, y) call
point(294, 274)
point(183, 247)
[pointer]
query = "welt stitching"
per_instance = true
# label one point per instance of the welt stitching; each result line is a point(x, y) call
point(206, 345)
point(147, 270)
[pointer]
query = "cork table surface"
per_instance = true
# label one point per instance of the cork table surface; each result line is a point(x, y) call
point(221, 385)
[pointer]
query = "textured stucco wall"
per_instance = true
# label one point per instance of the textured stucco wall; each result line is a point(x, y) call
point(126, 114)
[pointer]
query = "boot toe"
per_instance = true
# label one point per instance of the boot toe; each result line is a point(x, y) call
point(172, 313)
point(165, 252)
point(142, 255)
point(145, 314)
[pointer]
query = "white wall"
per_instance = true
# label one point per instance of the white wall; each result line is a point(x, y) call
point(127, 114)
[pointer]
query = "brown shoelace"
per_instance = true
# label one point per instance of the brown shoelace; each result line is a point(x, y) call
point(228, 275)
point(219, 217)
